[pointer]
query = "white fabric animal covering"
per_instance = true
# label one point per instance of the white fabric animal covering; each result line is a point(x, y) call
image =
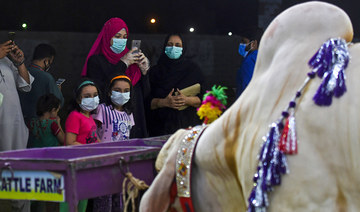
point(324, 175)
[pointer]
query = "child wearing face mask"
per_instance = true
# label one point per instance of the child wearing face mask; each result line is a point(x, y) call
point(80, 127)
point(115, 118)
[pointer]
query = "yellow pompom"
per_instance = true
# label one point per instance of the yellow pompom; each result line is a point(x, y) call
point(209, 112)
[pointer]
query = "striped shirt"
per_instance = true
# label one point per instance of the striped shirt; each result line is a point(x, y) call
point(115, 125)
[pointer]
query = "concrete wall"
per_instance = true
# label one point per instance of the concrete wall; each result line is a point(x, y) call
point(216, 55)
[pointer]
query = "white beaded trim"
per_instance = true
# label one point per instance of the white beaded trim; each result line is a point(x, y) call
point(184, 159)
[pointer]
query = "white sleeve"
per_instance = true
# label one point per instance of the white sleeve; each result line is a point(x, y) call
point(21, 84)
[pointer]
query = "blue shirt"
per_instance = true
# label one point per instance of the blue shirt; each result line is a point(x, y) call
point(44, 83)
point(245, 72)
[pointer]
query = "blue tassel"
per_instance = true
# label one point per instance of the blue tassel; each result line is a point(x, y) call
point(272, 164)
point(323, 96)
point(322, 59)
point(340, 87)
point(330, 62)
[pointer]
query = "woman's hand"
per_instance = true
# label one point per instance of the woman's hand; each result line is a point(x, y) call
point(192, 101)
point(181, 97)
point(143, 63)
point(174, 102)
point(130, 57)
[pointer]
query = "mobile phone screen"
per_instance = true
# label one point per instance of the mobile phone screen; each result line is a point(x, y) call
point(136, 43)
point(60, 81)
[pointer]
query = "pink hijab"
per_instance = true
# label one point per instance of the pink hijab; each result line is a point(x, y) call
point(102, 46)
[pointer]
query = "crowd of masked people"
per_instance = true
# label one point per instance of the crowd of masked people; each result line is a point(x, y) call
point(119, 96)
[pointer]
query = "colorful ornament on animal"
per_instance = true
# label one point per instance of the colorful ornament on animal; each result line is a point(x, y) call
point(288, 140)
point(213, 104)
point(329, 62)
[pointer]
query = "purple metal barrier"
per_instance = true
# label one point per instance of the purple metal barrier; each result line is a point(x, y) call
point(78, 172)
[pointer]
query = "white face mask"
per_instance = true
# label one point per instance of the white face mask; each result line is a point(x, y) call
point(120, 98)
point(89, 104)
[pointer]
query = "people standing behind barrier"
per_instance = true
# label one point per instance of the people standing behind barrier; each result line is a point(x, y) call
point(46, 131)
point(108, 56)
point(248, 49)
point(115, 117)
point(115, 120)
point(171, 106)
point(80, 127)
point(44, 82)
point(13, 75)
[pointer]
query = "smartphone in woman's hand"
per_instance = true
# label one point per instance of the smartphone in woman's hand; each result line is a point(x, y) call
point(136, 43)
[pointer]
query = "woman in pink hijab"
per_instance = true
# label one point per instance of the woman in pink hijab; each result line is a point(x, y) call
point(109, 57)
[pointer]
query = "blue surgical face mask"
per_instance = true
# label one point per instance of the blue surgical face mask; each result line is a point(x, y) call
point(242, 50)
point(120, 98)
point(118, 45)
point(89, 104)
point(173, 52)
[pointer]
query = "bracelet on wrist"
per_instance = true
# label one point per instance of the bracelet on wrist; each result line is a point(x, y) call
point(19, 64)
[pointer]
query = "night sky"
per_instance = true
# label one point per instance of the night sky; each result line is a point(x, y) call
point(206, 16)
point(214, 17)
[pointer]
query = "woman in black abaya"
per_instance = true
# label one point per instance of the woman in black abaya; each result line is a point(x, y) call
point(172, 74)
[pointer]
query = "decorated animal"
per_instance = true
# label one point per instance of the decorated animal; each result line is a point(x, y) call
point(324, 174)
